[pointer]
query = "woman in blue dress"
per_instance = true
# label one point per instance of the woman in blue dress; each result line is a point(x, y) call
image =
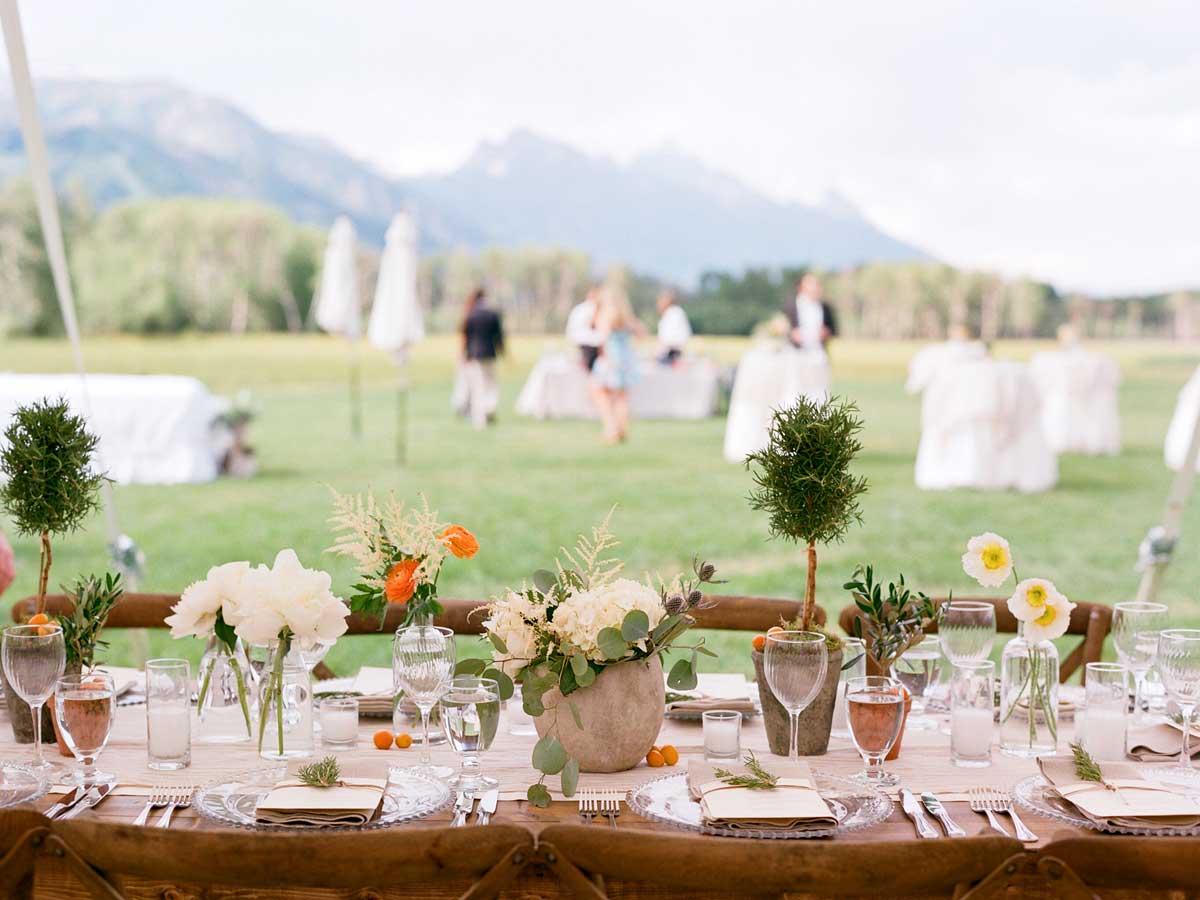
point(616, 369)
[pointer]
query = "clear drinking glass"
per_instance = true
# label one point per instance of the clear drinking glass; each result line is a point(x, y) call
point(968, 631)
point(794, 663)
point(1106, 710)
point(722, 735)
point(919, 670)
point(423, 658)
point(339, 723)
point(520, 723)
point(1179, 667)
point(168, 714)
point(972, 713)
point(875, 711)
point(34, 657)
point(84, 709)
point(1135, 628)
point(854, 665)
point(470, 717)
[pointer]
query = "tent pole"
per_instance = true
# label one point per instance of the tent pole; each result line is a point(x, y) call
point(355, 391)
point(401, 413)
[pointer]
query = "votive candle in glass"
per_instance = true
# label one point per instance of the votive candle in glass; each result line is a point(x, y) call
point(168, 714)
point(722, 735)
point(339, 722)
point(972, 713)
point(1106, 712)
point(854, 665)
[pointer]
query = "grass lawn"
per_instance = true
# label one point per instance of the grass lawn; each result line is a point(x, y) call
point(527, 487)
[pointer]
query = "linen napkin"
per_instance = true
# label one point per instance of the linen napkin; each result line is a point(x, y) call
point(374, 684)
point(793, 804)
point(715, 691)
point(1160, 742)
point(1136, 802)
point(354, 802)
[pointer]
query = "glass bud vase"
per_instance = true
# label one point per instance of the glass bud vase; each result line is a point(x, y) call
point(1029, 698)
point(406, 718)
point(285, 716)
point(228, 690)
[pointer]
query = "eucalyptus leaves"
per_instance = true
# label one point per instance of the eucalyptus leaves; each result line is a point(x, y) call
point(572, 624)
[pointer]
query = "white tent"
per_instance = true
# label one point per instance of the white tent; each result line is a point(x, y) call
point(339, 310)
point(396, 322)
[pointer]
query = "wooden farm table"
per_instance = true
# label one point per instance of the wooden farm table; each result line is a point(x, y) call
point(924, 764)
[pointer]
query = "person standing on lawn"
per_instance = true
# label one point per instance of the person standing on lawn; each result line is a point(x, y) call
point(482, 341)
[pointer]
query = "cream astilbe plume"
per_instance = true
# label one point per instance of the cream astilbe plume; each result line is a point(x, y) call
point(588, 558)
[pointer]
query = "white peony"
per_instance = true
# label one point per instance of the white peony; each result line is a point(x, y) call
point(196, 612)
point(582, 616)
point(515, 620)
point(988, 559)
point(287, 596)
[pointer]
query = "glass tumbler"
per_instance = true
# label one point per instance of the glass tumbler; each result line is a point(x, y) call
point(1106, 711)
point(972, 713)
point(168, 714)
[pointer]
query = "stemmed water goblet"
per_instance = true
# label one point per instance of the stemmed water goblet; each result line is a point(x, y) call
point(1135, 629)
point(470, 716)
point(919, 669)
point(84, 708)
point(967, 631)
point(1179, 666)
point(794, 663)
point(423, 658)
point(875, 713)
point(34, 657)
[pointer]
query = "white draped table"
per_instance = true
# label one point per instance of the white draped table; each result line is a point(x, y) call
point(153, 429)
point(1079, 400)
point(770, 376)
point(1183, 422)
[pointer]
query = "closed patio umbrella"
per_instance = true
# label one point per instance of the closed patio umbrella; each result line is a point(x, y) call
point(396, 322)
point(338, 306)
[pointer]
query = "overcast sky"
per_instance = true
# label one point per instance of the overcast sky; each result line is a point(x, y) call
point(1056, 138)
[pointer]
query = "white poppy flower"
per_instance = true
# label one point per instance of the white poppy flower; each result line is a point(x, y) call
point(1052, 621)
point(1030, 598)
point(988, 559)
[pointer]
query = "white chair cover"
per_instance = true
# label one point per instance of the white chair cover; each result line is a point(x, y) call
point(770, 376)
point(1079, 401)
point(929, 361)
point(981, 428)
point(558, 388)
point(1183, 422)
point(153, 429)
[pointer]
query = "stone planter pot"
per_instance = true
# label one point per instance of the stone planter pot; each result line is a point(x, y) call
point(621, 712)
point(21, 717)
point(815, 722)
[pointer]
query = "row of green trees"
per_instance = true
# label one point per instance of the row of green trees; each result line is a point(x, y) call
point(179, 264)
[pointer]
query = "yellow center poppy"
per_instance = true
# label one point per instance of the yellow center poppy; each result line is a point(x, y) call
point(994, 557)
point(1036, 596)
point(1046, 619)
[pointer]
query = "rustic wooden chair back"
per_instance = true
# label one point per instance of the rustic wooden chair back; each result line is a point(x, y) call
point(1091, 621)
point(1144, 866)
point(115, 861)
point(684, 866)
point(730, 613)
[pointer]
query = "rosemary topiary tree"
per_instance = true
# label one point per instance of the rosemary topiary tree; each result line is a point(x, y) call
point(48, 486)
point(804, 481)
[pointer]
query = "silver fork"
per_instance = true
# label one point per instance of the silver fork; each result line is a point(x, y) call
point(980, 803)
point(176, 797)
point(1000, 802)
point(160, 795)
point(587, 806)
point(610, 806)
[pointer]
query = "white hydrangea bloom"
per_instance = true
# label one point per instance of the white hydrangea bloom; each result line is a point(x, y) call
point(582, 616)
point(517, 622)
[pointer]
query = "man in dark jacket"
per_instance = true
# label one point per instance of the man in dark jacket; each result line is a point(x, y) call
point(483, 341)
point(811, 319)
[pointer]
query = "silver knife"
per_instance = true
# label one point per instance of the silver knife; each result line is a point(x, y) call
point(913, 809)
point(94, 796)
point(934, 805)
point(462, 808)
point(487, 806)
point(69, 799)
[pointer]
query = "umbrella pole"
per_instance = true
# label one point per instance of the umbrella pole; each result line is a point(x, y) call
point(401, 414)
point(1163, 540)
point(355, 392)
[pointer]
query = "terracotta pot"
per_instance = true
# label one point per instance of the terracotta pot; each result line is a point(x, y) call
point(63, 749)
point(815, 722)
point(621, 713)
point(894, 753)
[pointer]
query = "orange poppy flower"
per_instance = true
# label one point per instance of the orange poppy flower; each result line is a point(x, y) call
point(401, 581)
point(459, 541)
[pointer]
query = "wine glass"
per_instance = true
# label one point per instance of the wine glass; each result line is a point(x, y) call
point(470, 716)
point(967, 630)
point(34, 657)
point(1179, 666)
point(83, 708)
point(1135, 629)
point(794, 663)
point(875, 713)
point(919, 670)
point(423, 659)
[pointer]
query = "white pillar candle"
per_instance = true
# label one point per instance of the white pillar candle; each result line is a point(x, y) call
point(971, 731)
point(722, 737)
point(169, 731)
point(1104, 734)
point(339, 725)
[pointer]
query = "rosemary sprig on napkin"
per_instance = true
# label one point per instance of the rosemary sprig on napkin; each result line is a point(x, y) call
point(759, 778)
point(1086, 767)
point(325, 773)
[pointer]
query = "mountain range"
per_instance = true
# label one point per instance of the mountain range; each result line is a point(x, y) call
point(663, 212)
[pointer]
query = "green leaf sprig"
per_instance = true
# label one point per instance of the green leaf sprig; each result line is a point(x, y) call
point(326, 773)
point(94, 599)
point(759, 778)
point(1086, 767)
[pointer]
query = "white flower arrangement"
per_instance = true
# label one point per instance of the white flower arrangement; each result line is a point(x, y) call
point(1036, 602)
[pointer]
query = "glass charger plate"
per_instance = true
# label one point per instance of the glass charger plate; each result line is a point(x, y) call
point(1030, 794)
point(20, 784)
point(855, 806)
point(234, 801)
